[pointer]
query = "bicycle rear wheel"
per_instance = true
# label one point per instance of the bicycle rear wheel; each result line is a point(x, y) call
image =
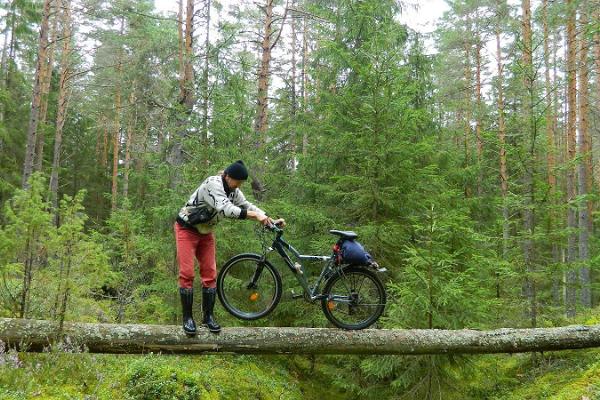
point(249, 288)
point(354, 298)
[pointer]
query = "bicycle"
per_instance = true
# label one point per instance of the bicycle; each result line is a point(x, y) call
point(353, 296)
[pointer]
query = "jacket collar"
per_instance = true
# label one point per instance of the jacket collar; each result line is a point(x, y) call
point(228, 190)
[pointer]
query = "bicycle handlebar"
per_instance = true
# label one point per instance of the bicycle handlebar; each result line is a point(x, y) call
point(274, 228)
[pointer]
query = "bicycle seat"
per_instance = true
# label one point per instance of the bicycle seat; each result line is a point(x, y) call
point(344, 234)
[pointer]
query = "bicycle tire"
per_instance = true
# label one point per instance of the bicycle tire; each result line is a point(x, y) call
point(236, 295)
point(343, 298)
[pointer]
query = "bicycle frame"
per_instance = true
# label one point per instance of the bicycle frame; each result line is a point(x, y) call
point(297, 268)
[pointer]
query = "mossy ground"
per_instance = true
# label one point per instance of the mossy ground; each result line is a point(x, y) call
point(53, 376)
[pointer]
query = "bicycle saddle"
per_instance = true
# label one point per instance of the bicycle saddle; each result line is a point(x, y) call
point(344, 234)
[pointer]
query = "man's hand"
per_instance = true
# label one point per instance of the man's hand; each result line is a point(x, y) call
point(263, 219)
point(279, 222)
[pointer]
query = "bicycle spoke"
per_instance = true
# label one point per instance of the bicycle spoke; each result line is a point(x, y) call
point(246, 295)
point(356, 298)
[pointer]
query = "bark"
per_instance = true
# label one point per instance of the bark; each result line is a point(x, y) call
point(261, 122)
point(129, 141)
point(294, 101)
point(597, 71)
point(502, 141)
point(117, 127)
point(36, 336)
point(478, 114)
point(467, 101)
point(186, 95)
point(550, 116)
point(4, 59)
point(30, 253)
point(205, 76)
point(529, 140)
point(583, 149)
point(571, 278)
point(46, 81)
point(104, 160)
point(571, 275)
point(36, 97)
point(551, 150)
point(180, 47)
point(304, 84)
point(63, 99)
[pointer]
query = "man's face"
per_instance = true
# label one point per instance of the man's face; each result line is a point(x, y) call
point(233, 183)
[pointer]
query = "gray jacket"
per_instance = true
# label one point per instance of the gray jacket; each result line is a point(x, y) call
point(215, 195)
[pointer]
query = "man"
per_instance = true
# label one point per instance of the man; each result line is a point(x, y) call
point(217, 197)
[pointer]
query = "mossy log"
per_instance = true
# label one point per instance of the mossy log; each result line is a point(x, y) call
point(39, 335)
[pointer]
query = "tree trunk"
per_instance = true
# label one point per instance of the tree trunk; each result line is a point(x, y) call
point(551, 151)
point(502, 142)
point(261, 122)
point(529, 140)
point(304, 84)
point(4, 59)
point(294, 101)
point(63, 99)
point(35, 335)
point(180, 48)
point(55, 10)
point(478, 113)
point(467, 101)
point(36, 97)
point(129, 141)
point(186, 94)
point(262, 103)
point(104, 160)
point(117, 127)
point(205, 76)
point(596, 41)
point(583, 149)
point(571, 277)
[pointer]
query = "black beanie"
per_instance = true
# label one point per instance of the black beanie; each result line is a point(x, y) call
point(237, 170)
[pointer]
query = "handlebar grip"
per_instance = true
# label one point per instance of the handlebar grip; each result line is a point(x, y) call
point(274, 228)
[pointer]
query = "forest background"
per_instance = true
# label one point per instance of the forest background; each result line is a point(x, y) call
point(467, 160)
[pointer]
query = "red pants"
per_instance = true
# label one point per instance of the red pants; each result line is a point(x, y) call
point(192, 244)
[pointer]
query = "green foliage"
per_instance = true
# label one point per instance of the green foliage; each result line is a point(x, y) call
point(23, 244)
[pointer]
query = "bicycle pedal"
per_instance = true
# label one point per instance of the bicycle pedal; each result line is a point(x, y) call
point(296, 296)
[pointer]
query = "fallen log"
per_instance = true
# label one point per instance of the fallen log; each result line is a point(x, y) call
point(38, 335)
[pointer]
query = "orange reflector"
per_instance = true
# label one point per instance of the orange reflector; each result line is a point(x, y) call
point(254, 296)
point(331, 305)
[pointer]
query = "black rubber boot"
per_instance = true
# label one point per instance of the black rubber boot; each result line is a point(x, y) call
point(208, 304)
point(187, 301)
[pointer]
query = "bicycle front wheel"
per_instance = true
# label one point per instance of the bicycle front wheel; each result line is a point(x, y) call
point(354, 298)
point(248, 287)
